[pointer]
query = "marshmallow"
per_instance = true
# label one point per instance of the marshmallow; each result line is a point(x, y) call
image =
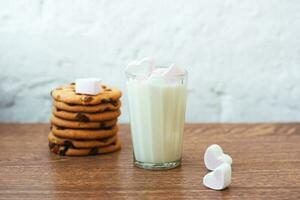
point(165, 75)
point(172, 72)
point(214, 157)
point(157, 77)
point(141, 68)
point(144, 70)
point(218, 179)
point(90, 86)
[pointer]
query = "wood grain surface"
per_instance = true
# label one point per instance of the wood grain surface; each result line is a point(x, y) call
point(266, 165)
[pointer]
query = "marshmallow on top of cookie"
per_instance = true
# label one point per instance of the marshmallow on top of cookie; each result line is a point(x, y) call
point(90, 86)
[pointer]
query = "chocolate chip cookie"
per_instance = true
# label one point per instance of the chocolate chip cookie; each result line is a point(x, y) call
point(67, 150)
point(113, 105)
point(85, 134)
point(82, 125)
point(68, 95)
point(81, 143)
point(85, 117)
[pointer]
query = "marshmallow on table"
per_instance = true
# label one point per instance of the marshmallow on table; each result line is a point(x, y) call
point(218, 179)
point(90, 86)
point(220, 163)
point(214, 157)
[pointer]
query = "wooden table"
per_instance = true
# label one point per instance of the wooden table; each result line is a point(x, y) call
point(266, 165)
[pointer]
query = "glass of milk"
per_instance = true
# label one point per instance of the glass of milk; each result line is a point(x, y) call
point(157, 116)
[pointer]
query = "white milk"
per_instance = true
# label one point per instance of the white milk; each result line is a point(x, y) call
point(157, 115)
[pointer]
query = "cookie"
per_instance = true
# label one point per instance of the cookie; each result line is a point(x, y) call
point(85, 117)
point(85, 134)
point(67, 94)
point(66, 150)
point(85, 144)
point(84, 125)
point(115, 105)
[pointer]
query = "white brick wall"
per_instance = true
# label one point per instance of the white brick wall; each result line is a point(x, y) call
point(243, 57)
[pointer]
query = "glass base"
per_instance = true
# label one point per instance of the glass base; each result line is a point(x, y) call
point(157, 166)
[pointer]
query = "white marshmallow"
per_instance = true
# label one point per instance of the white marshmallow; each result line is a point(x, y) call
point(171, 72)
point(141, 68)
point(218, 179)
point(214, 157)
point(91, 86)
point(159, 72)
point(157, 76)
point(165, 75)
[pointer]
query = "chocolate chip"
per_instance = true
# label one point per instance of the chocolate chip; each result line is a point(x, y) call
point(54, 147)
point(108, 90)
point(105, 101)
point(93, 151)
point(72, 83)
point(102, 124)
point(60, 128)
point(104, 139)
point(68, 143)
point(51, 145)
point(81, 117)
point(114, 102)
point(104, 86)
point(87, 99)
point(110, 100)
point(63, 151)
point(106, 109)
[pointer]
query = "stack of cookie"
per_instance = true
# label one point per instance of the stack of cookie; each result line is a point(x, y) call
point(84, 124)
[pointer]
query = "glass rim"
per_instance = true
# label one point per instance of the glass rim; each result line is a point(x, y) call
point(184, 75)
